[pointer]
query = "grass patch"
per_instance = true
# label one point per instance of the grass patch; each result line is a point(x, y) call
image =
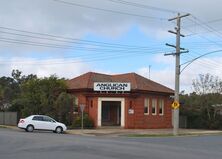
point(2, 126)
point(170, 135)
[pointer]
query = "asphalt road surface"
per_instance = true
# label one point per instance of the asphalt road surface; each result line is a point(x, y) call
point(16, 144)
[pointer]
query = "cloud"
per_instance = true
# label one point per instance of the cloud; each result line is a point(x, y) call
point(68, 20)
point(61, 67)
point(166, 76)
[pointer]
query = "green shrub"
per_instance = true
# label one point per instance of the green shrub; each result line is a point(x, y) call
point(87, 122)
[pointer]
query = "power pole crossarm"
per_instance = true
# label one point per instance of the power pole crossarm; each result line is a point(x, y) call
point(179, 16)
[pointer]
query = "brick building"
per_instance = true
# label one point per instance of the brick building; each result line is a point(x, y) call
point(126, 100)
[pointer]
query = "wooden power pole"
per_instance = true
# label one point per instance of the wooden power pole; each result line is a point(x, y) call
point(179, 50)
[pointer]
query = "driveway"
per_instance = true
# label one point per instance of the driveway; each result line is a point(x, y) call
point(21, 145)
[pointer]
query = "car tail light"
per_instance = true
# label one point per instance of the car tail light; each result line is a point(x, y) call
point(21, 121)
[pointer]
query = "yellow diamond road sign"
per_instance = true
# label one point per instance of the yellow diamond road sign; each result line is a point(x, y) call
point(175, 105)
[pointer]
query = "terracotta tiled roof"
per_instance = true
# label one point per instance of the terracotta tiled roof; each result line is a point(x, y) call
point(138, 82)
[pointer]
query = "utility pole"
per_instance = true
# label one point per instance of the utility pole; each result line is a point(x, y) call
point(179, 50)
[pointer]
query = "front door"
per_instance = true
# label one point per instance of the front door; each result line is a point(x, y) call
point(111, 113)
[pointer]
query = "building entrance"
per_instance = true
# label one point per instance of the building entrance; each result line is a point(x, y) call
point(111, 113)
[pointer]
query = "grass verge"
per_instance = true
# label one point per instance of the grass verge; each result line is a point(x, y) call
point(2, 126)
point(170, 135)
point(148, 135)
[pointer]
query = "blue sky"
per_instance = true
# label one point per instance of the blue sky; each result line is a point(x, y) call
point(81, 39)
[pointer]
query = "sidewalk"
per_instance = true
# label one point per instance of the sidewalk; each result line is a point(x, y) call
point(140, 132)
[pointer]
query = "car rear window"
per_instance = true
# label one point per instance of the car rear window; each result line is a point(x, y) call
point(38, 118)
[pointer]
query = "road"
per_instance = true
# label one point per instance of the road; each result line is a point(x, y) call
point(16, 144)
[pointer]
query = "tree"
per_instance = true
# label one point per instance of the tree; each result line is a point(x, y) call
point(207, 93)
point(62, 107)
point(16, 74)
point(9, 90)
point(15, 91)
point(32, 95)
point(206, 84)
point(39, 95)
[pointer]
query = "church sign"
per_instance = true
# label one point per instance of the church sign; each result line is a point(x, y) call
point(111, 86)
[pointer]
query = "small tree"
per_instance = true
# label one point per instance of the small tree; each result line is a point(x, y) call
point(62, 107)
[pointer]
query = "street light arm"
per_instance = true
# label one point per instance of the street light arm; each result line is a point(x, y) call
point(191, 61)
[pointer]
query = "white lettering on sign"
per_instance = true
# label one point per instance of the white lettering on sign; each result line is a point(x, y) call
point(111, 86)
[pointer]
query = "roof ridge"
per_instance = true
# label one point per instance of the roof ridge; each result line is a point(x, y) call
point(100, 73)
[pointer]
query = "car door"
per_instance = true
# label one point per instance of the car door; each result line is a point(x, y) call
point(48, 123)
point(37, 122)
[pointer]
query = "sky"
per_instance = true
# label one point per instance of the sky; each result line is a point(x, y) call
point(72, 37)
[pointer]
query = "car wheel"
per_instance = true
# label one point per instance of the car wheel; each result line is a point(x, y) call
point(58, 130)
point(29, 128)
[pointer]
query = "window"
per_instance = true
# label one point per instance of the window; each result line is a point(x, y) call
point(91, 103)
point(37, 118)
point(47, 119)
point(75, 104)
point(154, 105)
point(161, 106)
point(146, 106)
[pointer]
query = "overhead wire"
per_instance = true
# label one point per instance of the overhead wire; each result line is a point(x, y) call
point(70, 39)
point(108, 10)
point(129, 48)
point(139, 5)
point(58, 46)
point(204, 62)
point(73, 60)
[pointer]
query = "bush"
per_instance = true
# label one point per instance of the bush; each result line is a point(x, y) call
point(87, 122)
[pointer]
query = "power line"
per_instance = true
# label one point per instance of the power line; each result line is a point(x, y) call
point(203, 23)
point(66, 39)
point(58, 46)
point(74, 42)
point(143, 6)
point(89, 59)
point(207, 27)
point(108, 10)
point(100, 53)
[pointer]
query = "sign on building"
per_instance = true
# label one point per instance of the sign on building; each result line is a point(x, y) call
point(111, 86)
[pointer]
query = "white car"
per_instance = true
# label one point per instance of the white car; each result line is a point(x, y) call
point(41, 122)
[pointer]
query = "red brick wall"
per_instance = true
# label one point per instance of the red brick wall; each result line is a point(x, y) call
point(138, 119)
point(93, 109)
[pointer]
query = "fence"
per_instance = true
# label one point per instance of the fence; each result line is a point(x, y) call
point(8, 118)
point(183, 122)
